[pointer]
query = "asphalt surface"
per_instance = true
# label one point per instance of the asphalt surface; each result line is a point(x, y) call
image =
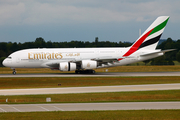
point(89, 106)
point(95, 75)
point(93, 89)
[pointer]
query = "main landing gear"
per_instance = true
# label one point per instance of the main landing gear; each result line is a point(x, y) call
point(85, 72)
point(14, 72)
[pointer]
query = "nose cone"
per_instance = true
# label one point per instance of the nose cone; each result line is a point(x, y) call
point(5, 62)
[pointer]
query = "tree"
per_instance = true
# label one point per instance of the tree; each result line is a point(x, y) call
point(14, 47)
point(96, 40)
point(40, 42)
point(2, 54)
point(1, 60)
point(178, 56)
point(49, 44)
point(3, 47)
point(170, 44)
point(161, 61)
point(146, 62)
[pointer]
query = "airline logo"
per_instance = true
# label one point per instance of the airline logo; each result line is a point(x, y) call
point(140, 43)
point(47, 55)
point(88, 65)
point(66, 67)
point(43, 55)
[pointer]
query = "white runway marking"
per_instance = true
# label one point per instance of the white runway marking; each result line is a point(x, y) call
point(44, 108)
point(2, 110)
point(15, 109)
point(58, 108)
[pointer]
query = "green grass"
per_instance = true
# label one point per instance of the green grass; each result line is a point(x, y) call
point(141, 96)
point(96, 115)
point(14, 83)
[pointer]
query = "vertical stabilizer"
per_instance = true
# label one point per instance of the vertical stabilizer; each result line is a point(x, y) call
point(150, 38)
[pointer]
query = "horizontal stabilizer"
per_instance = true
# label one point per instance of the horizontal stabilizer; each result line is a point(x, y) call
point(163, 51)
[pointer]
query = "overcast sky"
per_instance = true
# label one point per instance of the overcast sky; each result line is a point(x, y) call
point(83, 20)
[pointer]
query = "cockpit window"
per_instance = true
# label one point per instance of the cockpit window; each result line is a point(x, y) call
point(9, 57)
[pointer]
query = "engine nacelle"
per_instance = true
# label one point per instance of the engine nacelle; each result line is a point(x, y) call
point(67, 66)
point(89, 64)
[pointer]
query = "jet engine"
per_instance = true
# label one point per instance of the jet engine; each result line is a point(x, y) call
point(88, 64)
point(67, 66)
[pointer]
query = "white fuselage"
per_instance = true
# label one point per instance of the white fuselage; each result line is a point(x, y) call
point(44, 58)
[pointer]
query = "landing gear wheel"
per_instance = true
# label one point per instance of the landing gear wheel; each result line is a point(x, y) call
point(77, 71)
point(93, 71)
point(14, 72)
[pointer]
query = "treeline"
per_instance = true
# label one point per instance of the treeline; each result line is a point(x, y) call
point(169, 57)
point(6, 48)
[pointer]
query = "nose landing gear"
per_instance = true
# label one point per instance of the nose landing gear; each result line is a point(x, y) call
point(14, 72)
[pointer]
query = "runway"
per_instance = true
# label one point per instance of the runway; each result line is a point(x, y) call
point(89, 106)
point(93, 89)
point(105, 74)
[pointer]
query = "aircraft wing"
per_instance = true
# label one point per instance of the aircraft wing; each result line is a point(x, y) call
point(100, 60)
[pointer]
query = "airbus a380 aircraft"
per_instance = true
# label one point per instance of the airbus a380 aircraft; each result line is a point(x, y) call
point(84, 60)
